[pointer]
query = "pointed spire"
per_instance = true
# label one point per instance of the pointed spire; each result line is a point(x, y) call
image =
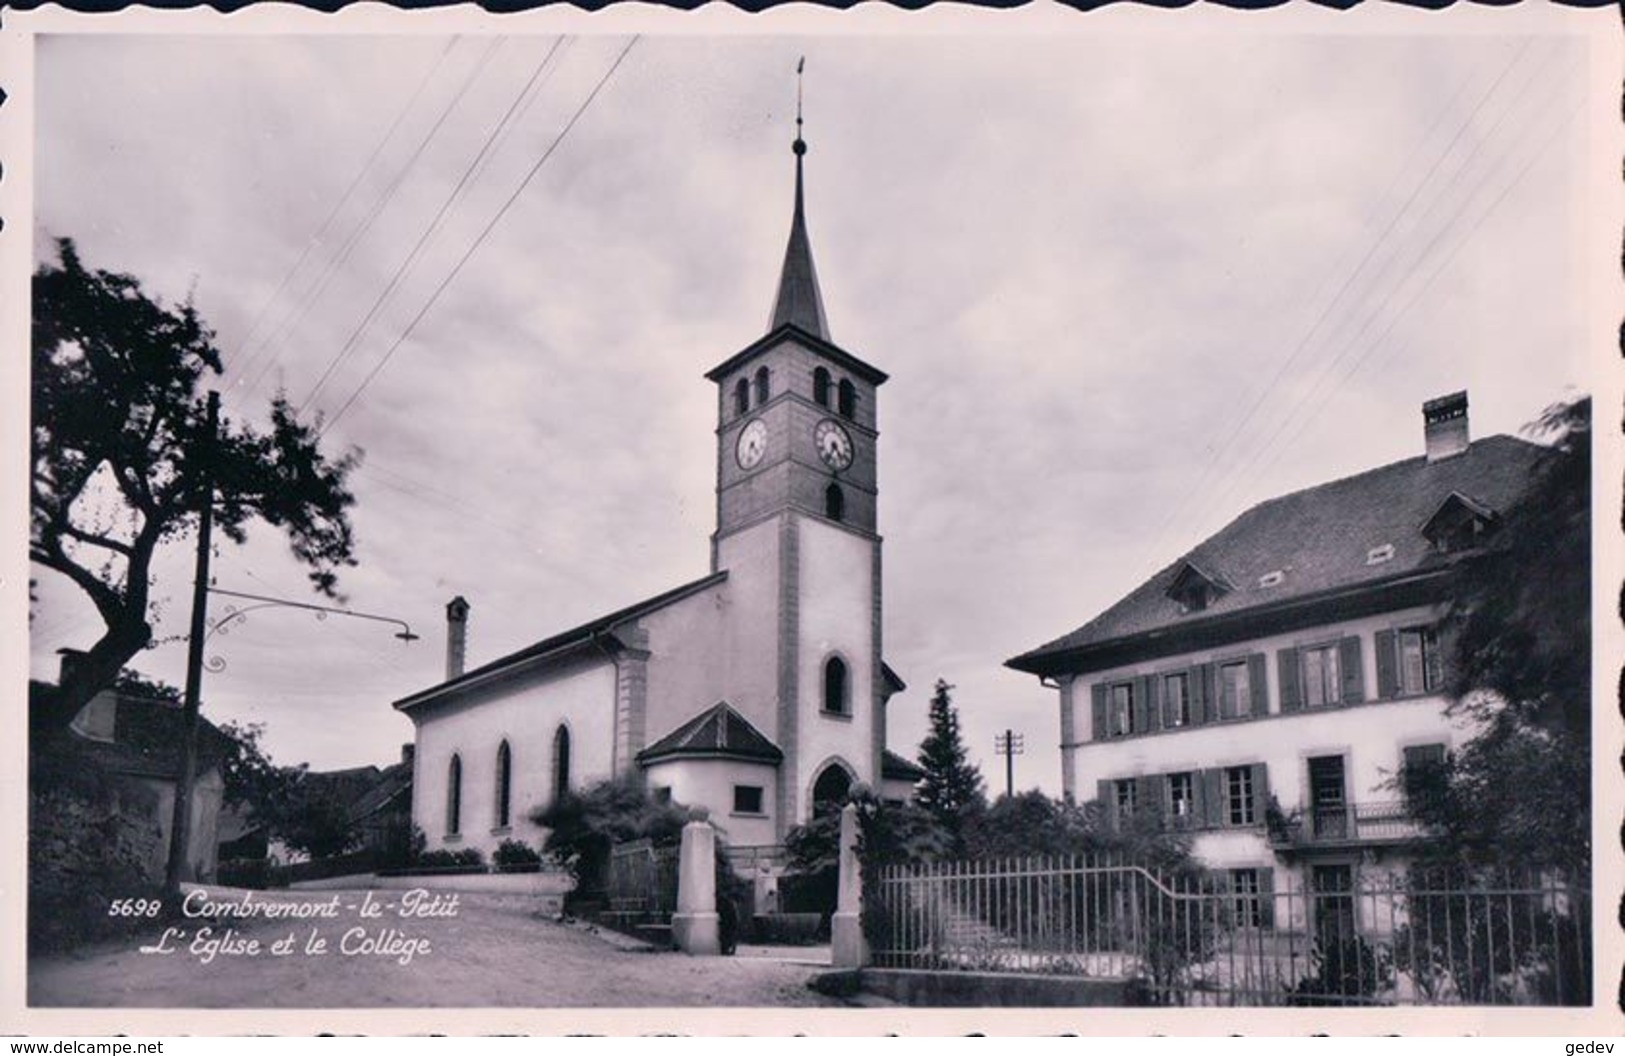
point(799, 302)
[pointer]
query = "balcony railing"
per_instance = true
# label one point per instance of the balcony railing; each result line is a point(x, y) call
point(1349, 823)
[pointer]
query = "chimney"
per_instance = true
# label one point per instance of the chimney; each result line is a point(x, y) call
point(1446, 426)
point(456, 636)
point(69, 659)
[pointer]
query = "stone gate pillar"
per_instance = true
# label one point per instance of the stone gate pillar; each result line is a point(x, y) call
point(694, 925)
point(848, 949)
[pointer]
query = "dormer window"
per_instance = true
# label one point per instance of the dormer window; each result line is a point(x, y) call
point(1459, 524)
point(1194, 590)
point(821, 387)
point(1380, 554)
point(1271, 579)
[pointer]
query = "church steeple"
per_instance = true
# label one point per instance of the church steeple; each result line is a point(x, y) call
point(799, 302)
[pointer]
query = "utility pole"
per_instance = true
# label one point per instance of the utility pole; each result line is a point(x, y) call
point(1009, 745)
point(180, 828)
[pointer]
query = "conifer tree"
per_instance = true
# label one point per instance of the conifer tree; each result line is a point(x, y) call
point(952, 787)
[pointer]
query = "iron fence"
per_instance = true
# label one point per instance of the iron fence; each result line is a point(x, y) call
point(1330, 933)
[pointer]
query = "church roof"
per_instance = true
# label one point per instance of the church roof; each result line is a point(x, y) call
point(1348, 536)
point(799, 302)
point(717, 731)
point(894, 767)
point(586, 636)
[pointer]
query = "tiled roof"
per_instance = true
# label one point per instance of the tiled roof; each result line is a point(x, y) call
point(1322, 539)
point(894, 767)
point(718, 730)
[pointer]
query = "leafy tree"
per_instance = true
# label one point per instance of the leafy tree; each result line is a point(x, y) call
point(951, 790)
point(252, 779)
point(117, 466)
point(315, 818)
point(1518, 789)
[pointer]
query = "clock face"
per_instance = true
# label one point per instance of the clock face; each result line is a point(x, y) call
point(833, 443)
point(752, 444)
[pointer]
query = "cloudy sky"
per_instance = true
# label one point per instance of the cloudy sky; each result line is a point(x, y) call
point(1125, 285)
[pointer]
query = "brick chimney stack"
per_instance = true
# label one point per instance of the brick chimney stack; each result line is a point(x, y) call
point(1445, 426)
point(456, 636)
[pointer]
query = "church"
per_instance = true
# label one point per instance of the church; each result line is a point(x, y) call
point(758, 691)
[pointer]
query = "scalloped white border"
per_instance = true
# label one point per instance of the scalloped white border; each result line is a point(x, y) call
point(1599, 26)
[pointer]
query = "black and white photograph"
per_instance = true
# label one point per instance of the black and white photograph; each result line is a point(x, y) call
point(1088, 514)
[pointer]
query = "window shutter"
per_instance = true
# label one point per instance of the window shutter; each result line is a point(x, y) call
point(1266, 898)
point(1226, 702)
point(1148, 796)
point(1286, 665)
point(1387, 665)
point(1258, 682)
point(1348, 659)
point(1435, 660)
point(1153, 702)
point(1196, 687)
point(1142, 704)
point(1213, 799)
point(1108, 803)
point(1098, 702)
point(1261, 791)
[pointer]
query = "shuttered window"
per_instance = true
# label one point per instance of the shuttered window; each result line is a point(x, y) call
point(1322, 677)
point(1127, 798)
point(1182, 799)
point(1122, 709)
point(1241, 795)
point(1176, 700)
point(1235, 690)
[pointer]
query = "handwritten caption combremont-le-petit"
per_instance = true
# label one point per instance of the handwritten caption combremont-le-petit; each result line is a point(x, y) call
point(380, 928)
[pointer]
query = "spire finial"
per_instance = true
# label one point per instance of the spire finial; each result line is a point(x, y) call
point(800, 145)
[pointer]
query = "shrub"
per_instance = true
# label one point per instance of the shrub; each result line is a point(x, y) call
point(516, 856)
point(582, 828)
point(1345, 970)
point(467, 860)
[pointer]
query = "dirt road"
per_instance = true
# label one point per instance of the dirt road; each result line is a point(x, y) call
point(493, 952)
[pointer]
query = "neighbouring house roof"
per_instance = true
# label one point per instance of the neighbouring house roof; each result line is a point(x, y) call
point(894, 767)
point(568, 643)
point(146, 741)
point(392, 785)
point(1361, 533)
point(717, 731)
point(894, 681)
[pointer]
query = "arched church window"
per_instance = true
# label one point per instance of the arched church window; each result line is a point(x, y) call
point(821, 387)
point(454, 796)
point(764, 385)
point(836, 698)
point(834, 503)
point(741, 397)
point(561, 763)
point(504, 784)
point(847, 401)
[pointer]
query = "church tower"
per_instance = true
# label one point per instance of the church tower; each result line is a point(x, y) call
point(797, 486)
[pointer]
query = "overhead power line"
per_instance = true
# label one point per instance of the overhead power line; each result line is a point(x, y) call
point(317, 239)
point(485, 233)
point(354, 340)
point(292, 323)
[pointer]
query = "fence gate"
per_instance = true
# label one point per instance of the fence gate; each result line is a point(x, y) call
point(1310, 934)
point(641, 889)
